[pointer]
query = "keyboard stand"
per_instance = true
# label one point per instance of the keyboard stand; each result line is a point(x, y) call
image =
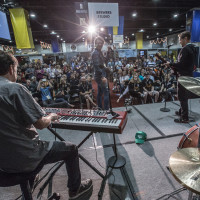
point(114, 162)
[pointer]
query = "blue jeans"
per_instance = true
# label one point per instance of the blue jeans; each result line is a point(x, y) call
point(67, 152)
point(102, 90)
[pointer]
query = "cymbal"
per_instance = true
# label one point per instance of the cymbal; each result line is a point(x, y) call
point(191, 84)
point(185, 167)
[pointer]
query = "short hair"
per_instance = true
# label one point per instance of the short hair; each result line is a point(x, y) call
point(98, 38)
point(184, 34)
point(5, 61)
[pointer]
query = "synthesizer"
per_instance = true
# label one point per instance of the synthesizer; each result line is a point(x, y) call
point(88, 120)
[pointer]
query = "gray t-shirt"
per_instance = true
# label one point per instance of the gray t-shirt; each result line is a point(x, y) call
point(21, 150)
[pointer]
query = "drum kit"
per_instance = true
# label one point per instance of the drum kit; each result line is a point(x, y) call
point(184, 164)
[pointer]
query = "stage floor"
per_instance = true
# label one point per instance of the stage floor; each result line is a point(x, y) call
point(146, 164)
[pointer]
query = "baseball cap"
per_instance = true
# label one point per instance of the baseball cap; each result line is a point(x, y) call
point(140, 137)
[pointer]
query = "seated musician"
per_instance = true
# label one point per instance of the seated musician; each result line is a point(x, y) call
point(149, 88)
point(21, 150)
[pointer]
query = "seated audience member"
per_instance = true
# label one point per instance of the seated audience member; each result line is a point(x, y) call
point(86, 92)
point(44, 86)
point(123, 80)
point(21, 150)
point(59, 96)
point(135, 88)
point(149, 88)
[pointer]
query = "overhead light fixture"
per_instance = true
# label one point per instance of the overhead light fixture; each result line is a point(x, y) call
point(61, 39)
point(32, 15)
point(10, 41)
point(58, 36)
point(147, 36)
point(83, 32)
point(141, 30)
point(132, 34)
point(126, 36)
point(175, 15)
point(91, 29)
point(155, 24)
point(105, 37)
point(170, 29)
point(53, 32)
point(45, 26)
point(157, 33)
point(102, 29)
point(134, 14)
point(36, 40)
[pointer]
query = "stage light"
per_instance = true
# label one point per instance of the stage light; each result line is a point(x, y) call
point(91, 29)
point(45, 26)
point(102, 29)
point(32, 15)
point(155, 24)
point(134, 14)
point(175, 15)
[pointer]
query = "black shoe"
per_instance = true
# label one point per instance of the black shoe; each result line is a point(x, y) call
point(177, 113)
point(82, 191)
point(181, 120)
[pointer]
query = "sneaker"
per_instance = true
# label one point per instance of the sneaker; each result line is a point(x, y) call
point(177, 113)
point(84, 188)
point(181, 120)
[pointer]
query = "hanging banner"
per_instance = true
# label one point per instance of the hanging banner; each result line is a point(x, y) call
point(117, 30)
point(21, 27)
point(55, 45)
point(103, 14)
point(139, 40)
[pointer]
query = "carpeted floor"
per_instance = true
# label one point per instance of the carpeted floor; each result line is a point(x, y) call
point(114, 96)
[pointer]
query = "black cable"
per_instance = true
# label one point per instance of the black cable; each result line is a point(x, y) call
point(96, 153)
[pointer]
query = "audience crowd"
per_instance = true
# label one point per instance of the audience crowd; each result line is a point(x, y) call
point(68, 84)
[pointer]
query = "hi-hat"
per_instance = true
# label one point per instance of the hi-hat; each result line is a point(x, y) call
point(191, 84)
point(185, 167)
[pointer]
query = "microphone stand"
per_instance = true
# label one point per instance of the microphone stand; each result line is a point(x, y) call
point(165, 109)
point(111, 112)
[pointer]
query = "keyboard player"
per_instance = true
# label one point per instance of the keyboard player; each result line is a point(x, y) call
point(21, 150)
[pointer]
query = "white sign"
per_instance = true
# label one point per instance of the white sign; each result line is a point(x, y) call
point(118, 39)
point(103, 14)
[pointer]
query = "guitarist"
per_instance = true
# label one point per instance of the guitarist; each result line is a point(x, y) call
point(184, 67)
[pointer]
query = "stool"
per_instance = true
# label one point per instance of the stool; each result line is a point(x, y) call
point(25, 180)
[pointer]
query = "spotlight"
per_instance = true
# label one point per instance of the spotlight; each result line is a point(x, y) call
point(45, 26)
point(170, 29)
point(141, 30)
point(175, 15)
point(53, 32)
point(155, 24)
point(134, 14)
point(132, 34)
point(157, 33)
point(58, 36)
point(91, 29)
point(10, 41)
point(32, 15)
